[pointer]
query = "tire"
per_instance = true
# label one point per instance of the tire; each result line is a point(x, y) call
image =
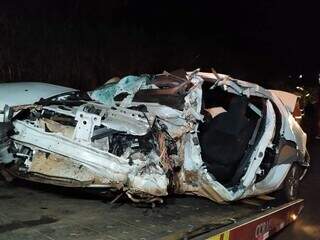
point(4, 142)
point(292, 183)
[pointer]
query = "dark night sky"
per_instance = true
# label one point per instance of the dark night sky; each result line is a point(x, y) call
point(249, 39)
point(283, 31)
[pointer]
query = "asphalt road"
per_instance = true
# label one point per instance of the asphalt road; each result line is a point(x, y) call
point(307, 226)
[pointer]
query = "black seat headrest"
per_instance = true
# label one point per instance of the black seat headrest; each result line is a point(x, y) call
point(238, 105)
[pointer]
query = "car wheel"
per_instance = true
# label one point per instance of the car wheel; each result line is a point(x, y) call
point(292, 182)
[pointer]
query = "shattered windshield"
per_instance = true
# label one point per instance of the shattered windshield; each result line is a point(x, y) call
point(126, 88)
point(166, 89)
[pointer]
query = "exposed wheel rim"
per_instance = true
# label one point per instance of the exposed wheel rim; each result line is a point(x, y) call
point(293, 182)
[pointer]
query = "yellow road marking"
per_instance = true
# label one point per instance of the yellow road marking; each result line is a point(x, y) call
point(220, 236)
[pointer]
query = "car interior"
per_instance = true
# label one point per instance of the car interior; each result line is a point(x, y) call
point(227, 139)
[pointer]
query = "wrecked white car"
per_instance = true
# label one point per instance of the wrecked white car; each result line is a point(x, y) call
point(149, 136)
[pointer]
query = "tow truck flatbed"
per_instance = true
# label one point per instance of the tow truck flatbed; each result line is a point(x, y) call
point(40, 212)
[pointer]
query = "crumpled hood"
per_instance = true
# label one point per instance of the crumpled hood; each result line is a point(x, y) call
point(20, 93)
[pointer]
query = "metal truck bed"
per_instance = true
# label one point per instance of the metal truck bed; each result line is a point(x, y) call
point(42, 212)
